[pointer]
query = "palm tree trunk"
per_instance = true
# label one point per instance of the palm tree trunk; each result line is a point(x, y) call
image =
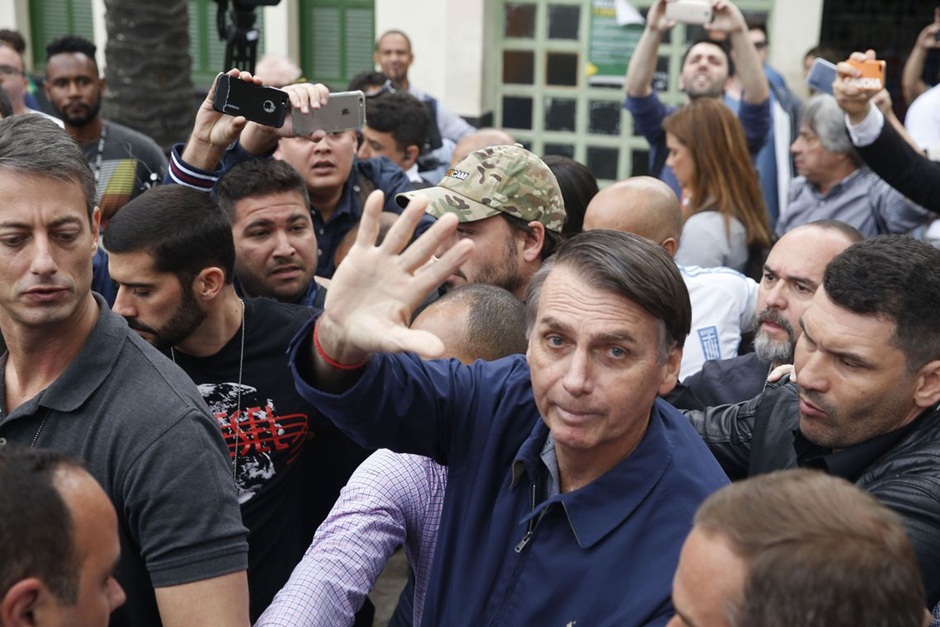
point(148, 68)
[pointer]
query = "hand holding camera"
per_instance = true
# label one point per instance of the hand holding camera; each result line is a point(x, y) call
point(312, 108)
point(689, 11)
point(858, 80)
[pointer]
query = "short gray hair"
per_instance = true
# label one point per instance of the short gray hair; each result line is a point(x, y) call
point(823, 117)
point(629, 266)
point(34, 146)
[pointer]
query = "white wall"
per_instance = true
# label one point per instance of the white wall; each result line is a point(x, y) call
point(279, 38)
point(15, 15)
point(794, 29)
point(447, 39)
point(101, 32)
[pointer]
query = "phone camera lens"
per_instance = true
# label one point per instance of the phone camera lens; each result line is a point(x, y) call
point(268, 106)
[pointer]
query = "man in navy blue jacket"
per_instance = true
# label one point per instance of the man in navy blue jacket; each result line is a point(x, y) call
point(571, 486)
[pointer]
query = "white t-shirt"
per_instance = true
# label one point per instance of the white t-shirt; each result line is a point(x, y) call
point(724, 305)
point(923, 118)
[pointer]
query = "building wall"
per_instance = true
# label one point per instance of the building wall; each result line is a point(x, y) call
point(794, 29)
point(448, 44)
point(454, 41)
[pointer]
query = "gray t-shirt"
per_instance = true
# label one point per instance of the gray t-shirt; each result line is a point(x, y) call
point(706, 243)
point(146, 435)
point(130, 163)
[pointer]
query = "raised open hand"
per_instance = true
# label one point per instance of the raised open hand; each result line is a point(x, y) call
point(377, 288)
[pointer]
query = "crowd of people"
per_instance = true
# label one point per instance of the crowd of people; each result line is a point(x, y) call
point(239, 376)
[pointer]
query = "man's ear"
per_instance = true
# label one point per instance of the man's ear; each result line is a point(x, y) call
point(671, 370)
point(209, 283)
point(95, 228)
point(18, 607)
point(102, 84)
point(927, 389)
point(411, 155)
point(533, 241)
point(670, 245)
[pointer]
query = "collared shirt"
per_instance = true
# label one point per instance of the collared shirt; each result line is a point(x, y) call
point(147, 437)
point(390, 500)
point(478, 419)
point(861, 199)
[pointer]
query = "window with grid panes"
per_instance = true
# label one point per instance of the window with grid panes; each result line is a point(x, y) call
point(544, 96)
point(337, 38)
point(53, 18)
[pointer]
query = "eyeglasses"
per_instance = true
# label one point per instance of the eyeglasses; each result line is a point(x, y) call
point(9, 70)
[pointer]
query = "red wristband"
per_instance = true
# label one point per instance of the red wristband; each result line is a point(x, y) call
point(329, 360)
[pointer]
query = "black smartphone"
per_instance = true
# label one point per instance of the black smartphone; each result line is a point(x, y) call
point(264, 105)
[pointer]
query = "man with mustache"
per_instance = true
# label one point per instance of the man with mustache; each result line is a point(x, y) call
point(792, 272)
point(863, 400)
point(173, 259)
point(125, 162)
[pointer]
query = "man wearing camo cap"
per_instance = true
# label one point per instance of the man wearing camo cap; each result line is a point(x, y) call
point(509, 204)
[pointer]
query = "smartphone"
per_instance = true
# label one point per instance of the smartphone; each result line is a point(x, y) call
point(264, 105)
point(873, 75)
point(689, 11)
point(345, 110)
point(822, 74)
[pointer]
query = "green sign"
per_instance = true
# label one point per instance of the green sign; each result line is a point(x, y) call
point(611, 45)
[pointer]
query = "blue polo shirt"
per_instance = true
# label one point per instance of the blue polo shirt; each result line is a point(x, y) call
point(601, 555)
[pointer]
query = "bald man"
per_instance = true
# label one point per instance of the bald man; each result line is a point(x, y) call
point(278, 70)
point(724, 302)
point(792, 272)
point(483, 138)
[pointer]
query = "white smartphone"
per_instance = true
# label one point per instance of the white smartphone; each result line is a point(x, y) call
point(822, 74)
point(689, 11)
point(345, 110)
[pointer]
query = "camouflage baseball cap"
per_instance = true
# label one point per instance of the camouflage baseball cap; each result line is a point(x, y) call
point(507, 179)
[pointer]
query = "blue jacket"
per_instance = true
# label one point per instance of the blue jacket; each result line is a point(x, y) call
point(601, 555)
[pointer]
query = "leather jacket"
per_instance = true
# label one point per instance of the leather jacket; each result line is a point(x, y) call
point(901, 469)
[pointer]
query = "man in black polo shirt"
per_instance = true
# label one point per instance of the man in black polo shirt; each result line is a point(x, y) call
point(76, 379)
